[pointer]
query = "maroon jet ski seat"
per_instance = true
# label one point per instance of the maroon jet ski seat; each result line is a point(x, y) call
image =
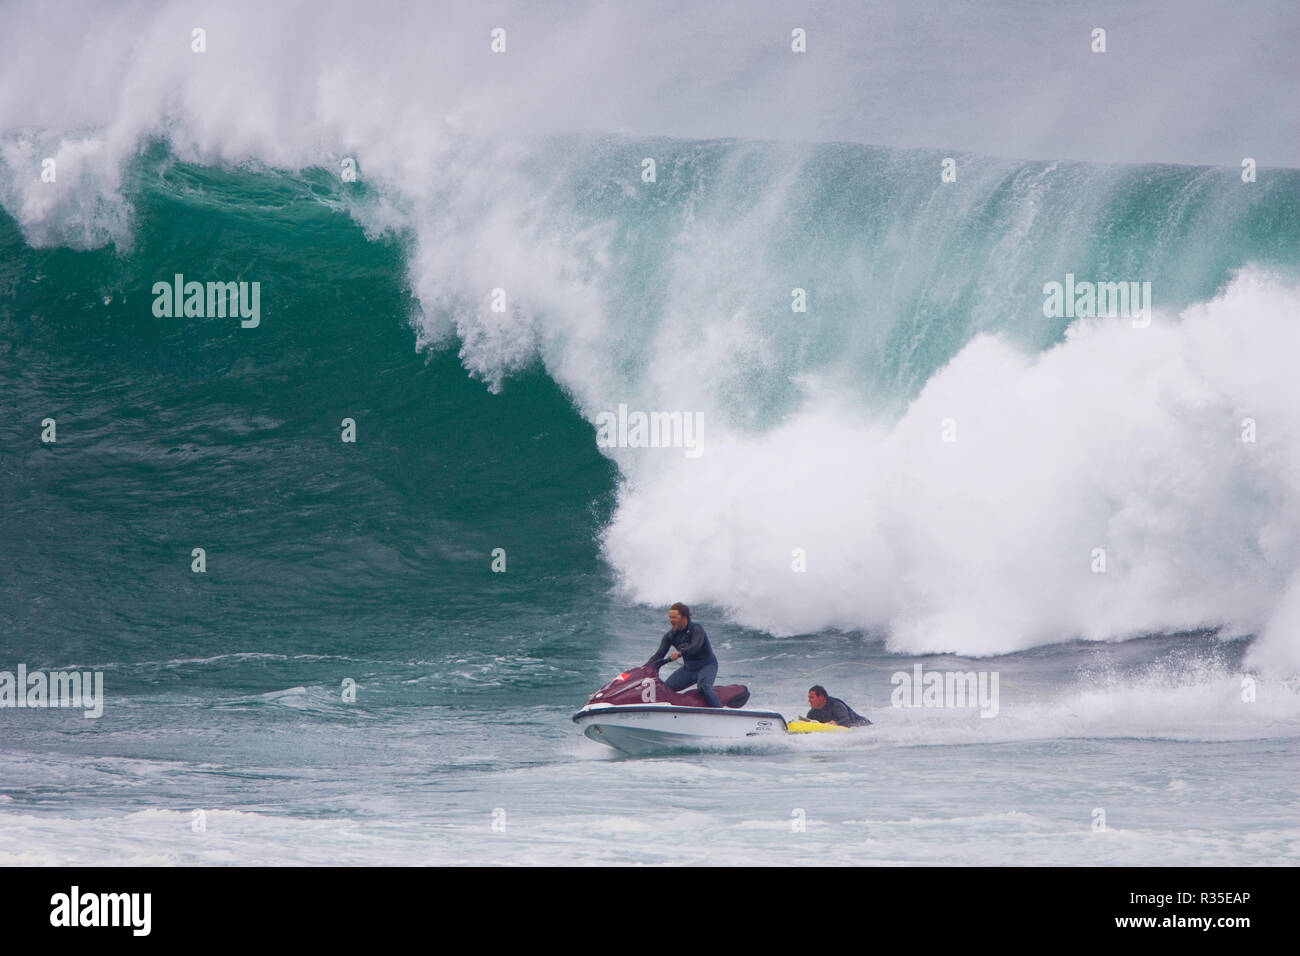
point(642, 685)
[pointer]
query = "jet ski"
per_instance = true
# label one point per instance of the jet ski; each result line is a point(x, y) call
point(637, 713)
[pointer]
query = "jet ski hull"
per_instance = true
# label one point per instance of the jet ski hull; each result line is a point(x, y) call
point(647, 728)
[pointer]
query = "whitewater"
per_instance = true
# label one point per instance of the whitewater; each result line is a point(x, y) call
point(368, 650)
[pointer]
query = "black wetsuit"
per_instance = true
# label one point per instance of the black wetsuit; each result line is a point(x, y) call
point(839, 712)
point(691, 642)
point(699, 664)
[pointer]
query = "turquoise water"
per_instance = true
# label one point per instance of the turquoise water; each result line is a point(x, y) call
point(372, 561)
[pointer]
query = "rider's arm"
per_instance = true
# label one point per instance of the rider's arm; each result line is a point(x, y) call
point(840, 713)
point(663, 649)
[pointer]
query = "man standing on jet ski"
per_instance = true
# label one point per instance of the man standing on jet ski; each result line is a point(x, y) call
point(699, 665)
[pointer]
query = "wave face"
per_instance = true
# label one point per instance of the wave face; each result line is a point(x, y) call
point(920, 453)
point(826, 429)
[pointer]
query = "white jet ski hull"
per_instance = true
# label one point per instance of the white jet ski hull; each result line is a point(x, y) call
point(648, 728)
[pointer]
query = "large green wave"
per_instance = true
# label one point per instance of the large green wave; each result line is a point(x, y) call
point(177, 433)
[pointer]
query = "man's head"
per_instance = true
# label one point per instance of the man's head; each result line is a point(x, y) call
point(817, 697)
point(679, 615)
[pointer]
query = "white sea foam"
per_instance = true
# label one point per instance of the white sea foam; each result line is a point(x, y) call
point(1124, 439)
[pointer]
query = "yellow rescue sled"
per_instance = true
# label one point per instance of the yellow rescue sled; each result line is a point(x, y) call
point(813, 727)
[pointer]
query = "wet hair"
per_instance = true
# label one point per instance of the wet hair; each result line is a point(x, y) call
point(817, 689)
point(681, 609)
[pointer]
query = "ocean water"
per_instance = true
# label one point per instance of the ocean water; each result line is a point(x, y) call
point(919, 469)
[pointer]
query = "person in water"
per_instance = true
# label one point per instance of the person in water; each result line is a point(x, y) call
point(832, 710)
point(691, 644)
